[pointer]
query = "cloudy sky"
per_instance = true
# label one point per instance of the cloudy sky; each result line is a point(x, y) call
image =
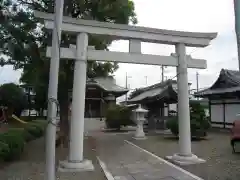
point(187, 15)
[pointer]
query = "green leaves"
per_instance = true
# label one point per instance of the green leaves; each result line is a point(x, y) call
point(23, 40)
point(198, 120)
point(118, 116)
point(99, 69)
point(12, 96)
point(12, 142)
point(15, 142)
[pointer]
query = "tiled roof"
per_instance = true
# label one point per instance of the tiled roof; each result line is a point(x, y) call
point(233, 75)
point(147, 94)
point(156, 90)
point(107, 84)
point(227, 82)
point(218, 91)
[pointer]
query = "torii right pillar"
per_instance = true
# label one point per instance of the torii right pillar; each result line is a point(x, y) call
point(185, 156)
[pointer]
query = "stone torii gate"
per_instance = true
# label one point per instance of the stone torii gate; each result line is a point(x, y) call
point(81, 52)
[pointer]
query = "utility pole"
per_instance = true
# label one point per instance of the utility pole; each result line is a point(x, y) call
point(126, 85)
point(197, 75)
point(237, 26)
point(162, 70)
point(52, 93)
point(146, 78)
point(162, 109)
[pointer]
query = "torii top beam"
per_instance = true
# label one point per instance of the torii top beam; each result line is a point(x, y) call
point(72, 25)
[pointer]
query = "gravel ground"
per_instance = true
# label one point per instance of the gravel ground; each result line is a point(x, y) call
point(216, 150)
point(31, 165)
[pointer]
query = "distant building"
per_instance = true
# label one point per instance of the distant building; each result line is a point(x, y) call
point(160, 99)
point(224, 98)
point(30, 94)
point(101, 92)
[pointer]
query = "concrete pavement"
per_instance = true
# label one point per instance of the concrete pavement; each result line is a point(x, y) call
point(123, 160)
point(117, 157)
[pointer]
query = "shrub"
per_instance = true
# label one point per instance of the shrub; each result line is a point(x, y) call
point(4, 151)
point(12, 142)
point(118, 116)
point(172, 124)
point(36, 128)
point(35, 131)
point(15, 142)
point(28, 136)
point(199, 122)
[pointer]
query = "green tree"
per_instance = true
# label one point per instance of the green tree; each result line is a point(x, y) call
point(23, 41)
point(13, 97)
point(198, 120)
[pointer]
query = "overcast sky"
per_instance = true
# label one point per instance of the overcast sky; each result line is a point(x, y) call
point(187, 15)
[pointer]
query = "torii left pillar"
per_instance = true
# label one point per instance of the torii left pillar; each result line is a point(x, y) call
point(75, 161)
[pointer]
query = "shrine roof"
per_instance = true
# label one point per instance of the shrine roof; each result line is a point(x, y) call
point(107, 84)
point(156, 91)
point(228, 81)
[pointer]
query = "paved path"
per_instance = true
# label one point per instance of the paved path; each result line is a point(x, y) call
point(128, 162)
point(125, 161)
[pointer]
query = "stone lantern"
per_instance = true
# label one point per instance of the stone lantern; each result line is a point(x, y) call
point(139, 118)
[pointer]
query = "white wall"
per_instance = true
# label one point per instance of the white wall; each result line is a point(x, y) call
point(217, 114)
point(165, 111)
point(173, 107)
point(231, 110)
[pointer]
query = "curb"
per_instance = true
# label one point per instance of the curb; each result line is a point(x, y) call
point(107, 173)
point(165, 161)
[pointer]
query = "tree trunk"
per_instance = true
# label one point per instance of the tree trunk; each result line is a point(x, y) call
point(17, 112)
point(65, 83)
point(9, 113)
point(40, 112)
point(64, 122)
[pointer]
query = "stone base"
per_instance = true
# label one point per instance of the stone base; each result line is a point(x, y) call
point(185, 160)
point(139, 138)
point(66, 166)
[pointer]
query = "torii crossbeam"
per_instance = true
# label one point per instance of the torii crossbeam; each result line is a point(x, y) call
point(134, 58)
point(135, 35)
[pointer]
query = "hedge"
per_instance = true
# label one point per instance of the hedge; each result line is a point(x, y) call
point(15, 142)
point(12, 142)
point(199, 122)
point(118, 116)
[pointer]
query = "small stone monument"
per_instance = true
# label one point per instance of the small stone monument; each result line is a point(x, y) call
point(139, 117)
